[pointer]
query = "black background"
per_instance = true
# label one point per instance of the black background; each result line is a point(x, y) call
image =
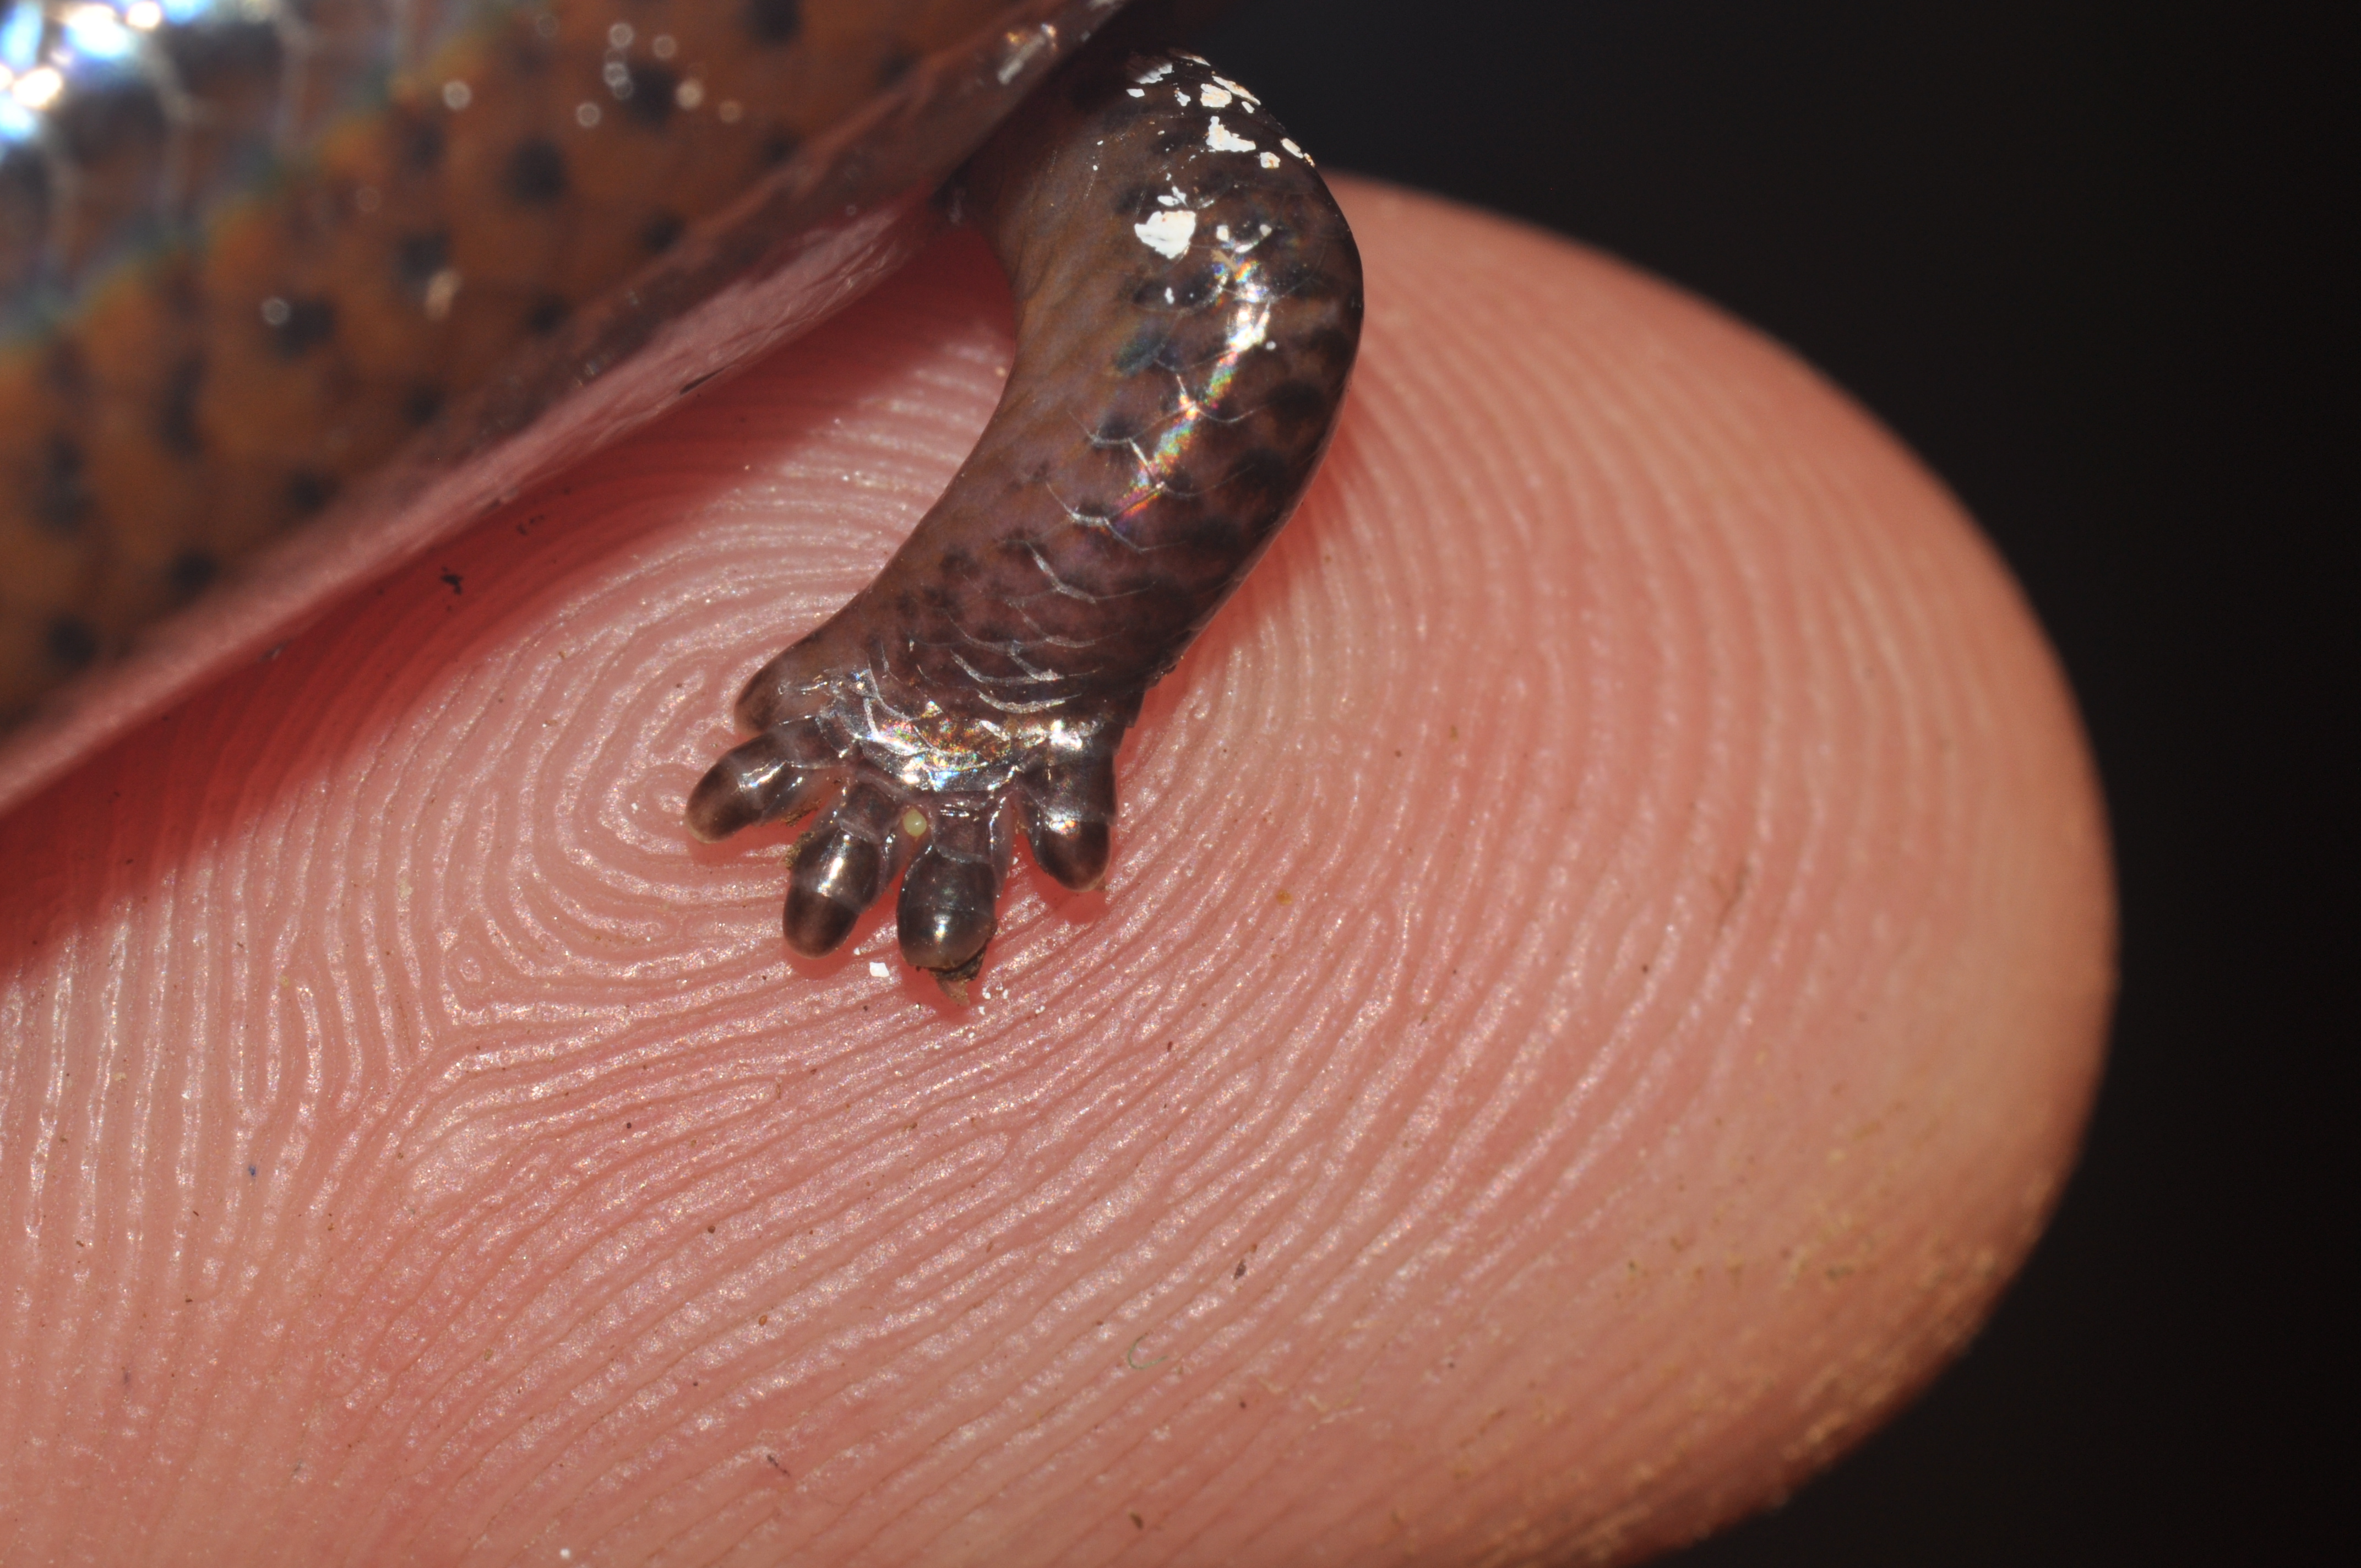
point(2078, 257)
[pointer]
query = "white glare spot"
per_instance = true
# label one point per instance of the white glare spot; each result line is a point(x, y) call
point(1242, 246)
point(878, 970)
point(1252, 101)
point(1215, 97)
point(1220, 140)
point(276, 311)
point(1167, 233)
point(1268, 160)
point(620, 36)
point(689, 94)
point(143, 15)
point(1023, 48)
point(1137, 92)
point(38, 87)
point(441, 290)
point(97, 32)
point(1156, 72)
point(457, 95)
point(1288, 143)
point(1180, 94)
point(664, 46)
point(585, 114)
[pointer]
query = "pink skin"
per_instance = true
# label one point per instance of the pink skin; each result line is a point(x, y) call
point(1603, 972)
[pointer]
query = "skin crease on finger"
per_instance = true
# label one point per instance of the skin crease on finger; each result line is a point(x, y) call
point(1604, 967)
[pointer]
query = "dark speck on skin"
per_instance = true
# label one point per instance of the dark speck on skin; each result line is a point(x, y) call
point(71, 642)
point(774, 21)
point(536, 171)
point(190, 571)
point(661, 232)
point(455, 580)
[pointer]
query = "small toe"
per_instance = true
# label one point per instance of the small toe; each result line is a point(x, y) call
point(947, 909)
point(775, 775)
point(1070, 818)
point(840, 868)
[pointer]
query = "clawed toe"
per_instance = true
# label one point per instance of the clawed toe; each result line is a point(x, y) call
point(952, 889)
point(955, 845)
point(840, 868)
point(1070, 818)
point(775, 777)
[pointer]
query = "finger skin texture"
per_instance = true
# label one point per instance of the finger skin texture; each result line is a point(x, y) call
point(1603, 970)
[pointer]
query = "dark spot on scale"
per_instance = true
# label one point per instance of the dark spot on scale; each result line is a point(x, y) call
point(1297, 405)
point(1115, 429)
point(649, 99)
point(1136, 202)
point(1140, 352)
point(661, 232)
point(1181, 486)
point(421, 144)
point(895, 66)
point(307, 492)
point(417, 257)
point(547, 315)
point(421, 404)
point(176, 411)
point(1259, 479)
point(191, 572)
point(61, 496)
point(778, 145)
point(72, 642)
point(305, 324)
point(535, 175)
point(774, 21)
point(1331, 347)
point(456, 584)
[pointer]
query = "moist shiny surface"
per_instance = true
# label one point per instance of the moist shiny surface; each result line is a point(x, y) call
point(1188, 304)
point(272, 266)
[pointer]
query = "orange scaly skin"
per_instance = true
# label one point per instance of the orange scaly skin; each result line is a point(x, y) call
point(167, 409)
